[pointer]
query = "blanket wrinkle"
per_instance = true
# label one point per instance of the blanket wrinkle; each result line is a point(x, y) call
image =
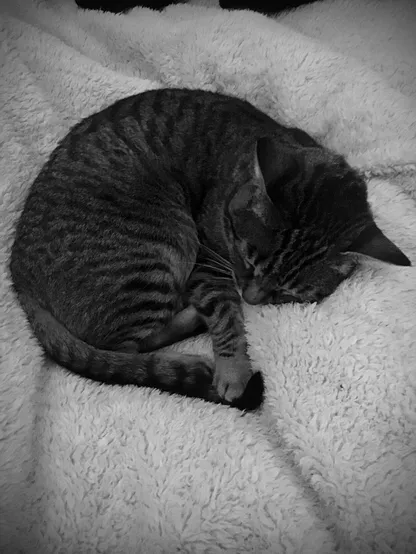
point(329, 463)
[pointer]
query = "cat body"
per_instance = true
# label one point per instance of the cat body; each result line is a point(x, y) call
point(155, 215)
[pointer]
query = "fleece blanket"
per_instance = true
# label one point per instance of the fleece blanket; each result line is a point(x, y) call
point(329, 463)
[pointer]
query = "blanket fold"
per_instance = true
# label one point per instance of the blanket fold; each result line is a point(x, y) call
point(329, 463)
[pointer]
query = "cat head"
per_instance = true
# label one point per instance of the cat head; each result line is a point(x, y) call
point(300, 225)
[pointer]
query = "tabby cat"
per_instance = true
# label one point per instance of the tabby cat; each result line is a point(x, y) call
point(160, 212)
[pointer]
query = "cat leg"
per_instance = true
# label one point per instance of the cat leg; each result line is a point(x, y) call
point(163, 331)
point(184, 325)
point(218, 302)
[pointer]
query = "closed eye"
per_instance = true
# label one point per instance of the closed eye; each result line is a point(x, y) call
point(279, 297)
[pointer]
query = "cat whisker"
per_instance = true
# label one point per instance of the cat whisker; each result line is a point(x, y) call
point(217, 264)
point(216, 256)
point(219, 269)
point(228, 279)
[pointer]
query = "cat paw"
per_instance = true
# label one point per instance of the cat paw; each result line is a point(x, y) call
point(231, 377)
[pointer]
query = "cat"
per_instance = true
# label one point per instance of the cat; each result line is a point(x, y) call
point(167, 208)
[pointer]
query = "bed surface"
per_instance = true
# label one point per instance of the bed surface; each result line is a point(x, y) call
point(329, 463)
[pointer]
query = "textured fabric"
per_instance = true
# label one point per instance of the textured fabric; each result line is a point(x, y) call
point(330, 461)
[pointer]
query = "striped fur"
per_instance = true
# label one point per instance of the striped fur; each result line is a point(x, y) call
point(152, 216)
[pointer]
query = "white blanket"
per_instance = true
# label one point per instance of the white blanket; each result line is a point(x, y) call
point(329, 463)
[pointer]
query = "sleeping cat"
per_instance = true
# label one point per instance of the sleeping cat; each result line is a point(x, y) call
point(173, 204)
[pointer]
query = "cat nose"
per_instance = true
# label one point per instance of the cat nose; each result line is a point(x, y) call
point(253, 295)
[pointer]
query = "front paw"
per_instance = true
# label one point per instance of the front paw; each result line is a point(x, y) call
point(231, 376)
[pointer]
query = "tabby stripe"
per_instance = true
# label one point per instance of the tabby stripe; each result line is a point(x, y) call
point(228, 325)
point(152, 134)
point(222, 327)
point(124, 268)
point(152, 239)
point(307, 199)
point(141, 259)
point(224, 312)
point(124, 297)
point(71, 225)
point(139, 288)
point(305, 262)
point(135, 138)
point(143, 235)
point(211, 302)
point(283, 257)
point(229, 353)
point(294, 271)
point(178, 126)
point(275, 261)
point(139, 319)
point(137, 283)
point(170, 123)
point(140, 283)
point(226, 343)
point(147, 306)
point(189, 144)
point(177, 375)
point(120, 133)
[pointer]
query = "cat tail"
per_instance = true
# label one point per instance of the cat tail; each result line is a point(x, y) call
point(184, 374)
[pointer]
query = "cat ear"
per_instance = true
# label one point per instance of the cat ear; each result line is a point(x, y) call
point(252, 198)
point(374, 243)
point(275, 162)
point(302, 138)
point(253, 216)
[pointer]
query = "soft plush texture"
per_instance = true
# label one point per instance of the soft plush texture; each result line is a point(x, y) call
point(329, 463)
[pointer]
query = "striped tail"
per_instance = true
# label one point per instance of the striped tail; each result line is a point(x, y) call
point(173, 372)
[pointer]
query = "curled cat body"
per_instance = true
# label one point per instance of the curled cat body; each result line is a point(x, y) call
point(167, 210)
